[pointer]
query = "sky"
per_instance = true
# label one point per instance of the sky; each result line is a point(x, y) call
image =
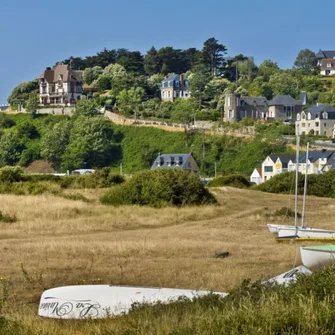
point(37, 34)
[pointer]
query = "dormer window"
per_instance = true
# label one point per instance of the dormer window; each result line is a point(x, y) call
point(316, 116)
point(309, 116)
point(329, 64)
point(177, 83)
point(298, 117)
point(303, 116)
point(325, 115)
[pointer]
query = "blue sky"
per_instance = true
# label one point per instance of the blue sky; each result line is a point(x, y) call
point(36, 34)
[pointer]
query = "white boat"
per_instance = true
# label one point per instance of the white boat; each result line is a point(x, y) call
point(101, 301)
point(295, 232)
point(318, 256)
point(289, 276)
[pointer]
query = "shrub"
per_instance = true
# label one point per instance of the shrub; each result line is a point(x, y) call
point(160, 188)
point(7, 218)
point(10, 174)
point(233, 180)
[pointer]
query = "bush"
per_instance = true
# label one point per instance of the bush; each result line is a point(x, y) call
point(160, 188)
point(10, 174)
point(7, 218)
point(233, 180)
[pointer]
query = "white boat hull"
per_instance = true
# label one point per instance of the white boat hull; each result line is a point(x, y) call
point(316, 258)
point(274, 228)
point(101, 301)
point(306, 233)
point(289, 276)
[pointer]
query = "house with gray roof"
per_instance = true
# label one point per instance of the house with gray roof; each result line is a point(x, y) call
point(326, 61)
point(316, 120)
point(176, 161)
point(175, 86)
point(319, 161)
point(237, 107)
point(284, 108)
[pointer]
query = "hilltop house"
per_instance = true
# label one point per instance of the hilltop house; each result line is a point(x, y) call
point(173, 161)
point(284, 108)
point(175, 86)
point(326, 61)
point(237, 107)
point(60, 85)
point(316, 120)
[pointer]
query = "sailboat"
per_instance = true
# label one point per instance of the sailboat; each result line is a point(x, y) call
point(295, 232)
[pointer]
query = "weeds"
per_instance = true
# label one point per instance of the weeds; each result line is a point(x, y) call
point(7, 218)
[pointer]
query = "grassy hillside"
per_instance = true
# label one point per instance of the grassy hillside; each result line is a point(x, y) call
point(55, 242)
point(141, 145)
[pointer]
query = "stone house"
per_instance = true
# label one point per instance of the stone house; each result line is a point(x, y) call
point(237, 107)
point(175, 86)
point(283, 108)
point(316, 120)
point(173, 161)
point(60, 85)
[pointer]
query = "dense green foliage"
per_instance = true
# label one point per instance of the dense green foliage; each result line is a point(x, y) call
point(321, 185)
point(233, 180)
point(94, 142)
point(14, 180)
point(160, 188)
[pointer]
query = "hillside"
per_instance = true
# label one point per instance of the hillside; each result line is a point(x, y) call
point(96, 142)
point(57, 242)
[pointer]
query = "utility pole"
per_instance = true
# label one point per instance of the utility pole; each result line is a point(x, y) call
point(215, 169)
point(121, 169)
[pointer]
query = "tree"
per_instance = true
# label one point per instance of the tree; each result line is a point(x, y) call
point(86, 107)
point(152, 62)
point(91, 73)
point(212, 54)
point(10, 149)
point(129, 100)
point(21, 93)
point(198, 81)
point(306, 61)
point(32, 104)
point(54, 143)
point(285, 82)
point(247, 71)
point(267, 69)
point(91, 141)
point(184, 111)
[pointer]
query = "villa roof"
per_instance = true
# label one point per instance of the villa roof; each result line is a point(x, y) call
point(63, 71)
point(315, 155)
point(319, 109)
point(283, 158)
point(258, 101)
point(285, 100)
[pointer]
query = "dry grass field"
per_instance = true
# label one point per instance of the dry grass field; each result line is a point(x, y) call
point(59, 242)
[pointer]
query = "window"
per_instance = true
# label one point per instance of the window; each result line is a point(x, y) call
point(324, 133)
point(329, 64)
point(298, 117)
point(177, 83)
point(230, 114)
point(309, 116)
point(308, 124)
point(268, 168)
point(316, 124)
point(169, 94)
point(325, 124)
point(303, 125)
point(325, 115)
point(316, 116)
point(229, 101)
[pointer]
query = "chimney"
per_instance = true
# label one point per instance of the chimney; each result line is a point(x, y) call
point(181, 78)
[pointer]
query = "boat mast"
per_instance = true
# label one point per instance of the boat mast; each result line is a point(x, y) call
point(296, 185)
point(305, 192)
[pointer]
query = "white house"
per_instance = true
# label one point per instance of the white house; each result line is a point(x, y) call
point(60, 85)
point(316, 120)
point(276, 164)
point(256, 176)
